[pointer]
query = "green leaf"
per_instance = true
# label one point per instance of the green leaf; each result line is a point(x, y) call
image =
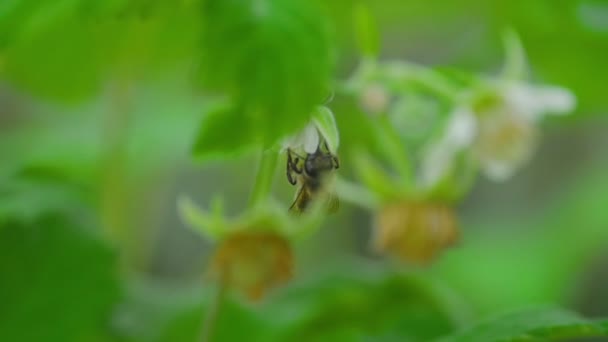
point(374, 176)
point(58, 281)
point(224, 133)
point(326, 124)
point(364, 303)
point(36, 191)
point(540, 324)
point(366, 31)
point(272, 58)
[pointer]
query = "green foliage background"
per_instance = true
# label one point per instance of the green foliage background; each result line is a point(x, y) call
point(103, 106)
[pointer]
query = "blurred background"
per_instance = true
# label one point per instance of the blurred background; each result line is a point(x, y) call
point(97, 120)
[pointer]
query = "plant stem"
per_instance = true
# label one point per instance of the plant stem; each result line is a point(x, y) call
point(355, 194)
point(114, 190)
point(392, 147)
point(425, 77)
point(264, 177)
point(210, 319)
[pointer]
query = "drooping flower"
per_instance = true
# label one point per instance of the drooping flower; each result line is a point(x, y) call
point(414, 232)
point(505, 129)
point(321, 128)
point(253, 261)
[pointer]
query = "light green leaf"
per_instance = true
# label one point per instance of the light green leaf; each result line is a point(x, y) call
point(542, 324)
point(326, 124)
point(374, 177)
point(366, 31)
point(211, 224)
point(515, 61)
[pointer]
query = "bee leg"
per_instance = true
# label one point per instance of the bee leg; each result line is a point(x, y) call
point(336, 162)
point(292, 167)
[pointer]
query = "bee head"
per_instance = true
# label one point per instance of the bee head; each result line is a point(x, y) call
point(319, 162)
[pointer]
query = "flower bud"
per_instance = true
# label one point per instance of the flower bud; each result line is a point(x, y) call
point(253, 262)
point(414, 232)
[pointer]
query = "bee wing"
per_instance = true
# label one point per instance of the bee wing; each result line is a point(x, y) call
point(302, 200)
point(333, 203)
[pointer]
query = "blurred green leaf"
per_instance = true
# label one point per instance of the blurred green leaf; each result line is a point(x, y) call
point(224, 133)
point(532, 325)
point(58, 281)
point(272, 58)
point(357, 304)
point(326, 124)
point(36, 191)
point(366, 31)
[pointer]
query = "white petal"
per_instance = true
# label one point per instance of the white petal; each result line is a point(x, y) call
point(310, 137)
point(504, 144)
point(497, 170)
point(555, 100)
point(461, 129)
point(439, 158)
point(532, 102)
point(436, 163)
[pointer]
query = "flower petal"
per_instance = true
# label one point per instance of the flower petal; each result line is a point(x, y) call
point(532, 102)
point(310, 138)
point(325, 122)
point(459, 134)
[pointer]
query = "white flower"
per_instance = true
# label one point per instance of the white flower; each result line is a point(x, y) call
point(502, 133)
point(307, 140)
point(322, 128)
point(458, 135)
point(508, 130)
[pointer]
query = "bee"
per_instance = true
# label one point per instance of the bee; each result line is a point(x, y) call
point(311, 172)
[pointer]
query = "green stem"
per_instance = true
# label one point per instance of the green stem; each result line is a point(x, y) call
point(213, 310)
point(425, 77)
point(355, 194)
point(393, 149)
point(264, 178)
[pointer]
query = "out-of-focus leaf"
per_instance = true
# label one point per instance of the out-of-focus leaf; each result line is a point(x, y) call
point(362, 304)
point(224, 133)
point(366, 31)
point(544, 256)
point(272, 58)
point(532, 325)
point(58, 281)
point(326, 124)
point(85, 43)
point(36, 191)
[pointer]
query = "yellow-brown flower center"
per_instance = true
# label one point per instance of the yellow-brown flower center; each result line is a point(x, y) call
point(414, 232)
point(253, 262)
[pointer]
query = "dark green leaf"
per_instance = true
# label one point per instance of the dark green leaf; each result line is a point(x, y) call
point(58, 281)
point(224, 133)
point(541, 324)
point(271, 57)
point(358, 304)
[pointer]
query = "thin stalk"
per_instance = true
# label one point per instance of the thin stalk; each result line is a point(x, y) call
point(392, 147)
point(264, 178)
point(114, 190)
point(355, 194)
point(425, 77)
point(212, 314)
